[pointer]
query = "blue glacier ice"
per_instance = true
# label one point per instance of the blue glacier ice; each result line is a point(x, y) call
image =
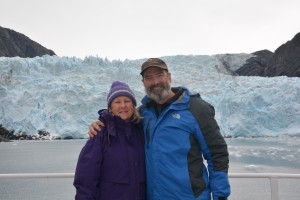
point(61, 95)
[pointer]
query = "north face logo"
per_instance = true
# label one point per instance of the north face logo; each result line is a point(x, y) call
point(176, 116)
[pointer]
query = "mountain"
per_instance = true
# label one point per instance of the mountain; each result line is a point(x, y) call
point(285, 61)
point(54, 97)
point(14, 44)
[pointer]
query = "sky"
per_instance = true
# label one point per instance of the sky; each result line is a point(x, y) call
point(134, 29)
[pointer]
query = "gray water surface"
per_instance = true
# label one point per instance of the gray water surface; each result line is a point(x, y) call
point(255, 155)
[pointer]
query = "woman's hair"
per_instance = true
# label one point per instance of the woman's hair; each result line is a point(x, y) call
point(136, 117)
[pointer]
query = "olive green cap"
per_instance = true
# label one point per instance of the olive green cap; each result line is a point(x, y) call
point(153, 62)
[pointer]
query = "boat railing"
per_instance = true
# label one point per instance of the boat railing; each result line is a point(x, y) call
point(273, 177)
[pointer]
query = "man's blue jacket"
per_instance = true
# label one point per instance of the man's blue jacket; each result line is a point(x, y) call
point(175, 144)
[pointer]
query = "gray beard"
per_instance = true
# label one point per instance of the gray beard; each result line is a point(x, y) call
point(158, 96)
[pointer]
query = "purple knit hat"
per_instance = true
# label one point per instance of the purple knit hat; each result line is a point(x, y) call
point(117, 89)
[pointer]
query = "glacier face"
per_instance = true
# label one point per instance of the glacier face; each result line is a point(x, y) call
point(61, 95)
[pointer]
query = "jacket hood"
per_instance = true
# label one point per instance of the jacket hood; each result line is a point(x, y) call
point(112, 122)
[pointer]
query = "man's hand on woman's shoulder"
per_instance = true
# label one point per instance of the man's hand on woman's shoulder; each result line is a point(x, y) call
point(95, 127)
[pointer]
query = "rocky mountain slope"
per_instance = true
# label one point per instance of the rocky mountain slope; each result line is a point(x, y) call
point(285, 61)
point(14, 44)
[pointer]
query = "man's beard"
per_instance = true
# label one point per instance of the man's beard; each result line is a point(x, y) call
point(158, 95)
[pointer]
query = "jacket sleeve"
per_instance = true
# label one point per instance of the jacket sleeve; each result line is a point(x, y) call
point(88, 169)
point(214, 150)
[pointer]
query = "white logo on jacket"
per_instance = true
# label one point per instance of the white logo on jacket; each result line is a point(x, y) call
point(176, 116)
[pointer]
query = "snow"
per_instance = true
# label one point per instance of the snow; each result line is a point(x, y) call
point(61, 95)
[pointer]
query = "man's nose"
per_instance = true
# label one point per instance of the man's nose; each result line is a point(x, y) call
point(156, 80)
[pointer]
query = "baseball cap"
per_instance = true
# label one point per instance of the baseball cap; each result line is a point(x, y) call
point(153, 62)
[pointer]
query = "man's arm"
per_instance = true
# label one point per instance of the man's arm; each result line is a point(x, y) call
point(216, 152)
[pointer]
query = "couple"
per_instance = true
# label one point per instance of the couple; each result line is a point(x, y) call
point(170, 136)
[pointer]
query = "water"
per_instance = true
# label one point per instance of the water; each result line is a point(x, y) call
point(38, 157)
point(255, 155)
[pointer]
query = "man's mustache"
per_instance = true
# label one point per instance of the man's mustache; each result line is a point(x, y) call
point(157, 85)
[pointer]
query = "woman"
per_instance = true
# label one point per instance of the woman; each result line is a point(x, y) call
point(112, 164)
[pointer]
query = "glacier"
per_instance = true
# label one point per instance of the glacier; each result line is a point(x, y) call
point(61, 95)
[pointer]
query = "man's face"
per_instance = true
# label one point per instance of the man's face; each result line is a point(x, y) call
point(157, 84)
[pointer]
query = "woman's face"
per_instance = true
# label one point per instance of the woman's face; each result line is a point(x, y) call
point(122, 106)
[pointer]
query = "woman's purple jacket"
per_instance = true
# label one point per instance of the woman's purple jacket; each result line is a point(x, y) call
point(112, 164)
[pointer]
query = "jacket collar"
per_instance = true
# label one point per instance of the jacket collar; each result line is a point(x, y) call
point(112, 122)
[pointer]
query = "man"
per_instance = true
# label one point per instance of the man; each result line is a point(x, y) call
point(180, 130)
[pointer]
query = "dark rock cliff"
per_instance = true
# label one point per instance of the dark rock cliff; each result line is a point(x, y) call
point(285, 61)
point(257, 65)
point(14, 44)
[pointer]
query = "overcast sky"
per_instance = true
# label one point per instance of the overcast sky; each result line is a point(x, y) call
point(133, 29)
